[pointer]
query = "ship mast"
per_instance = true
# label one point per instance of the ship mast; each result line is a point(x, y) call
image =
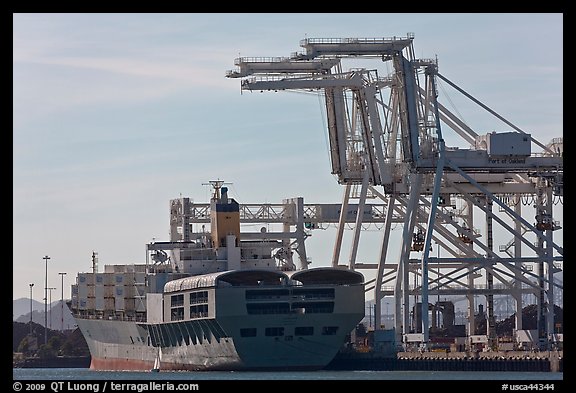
point(94, 262)
point(216, 185)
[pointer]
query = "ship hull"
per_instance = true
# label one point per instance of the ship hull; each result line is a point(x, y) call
point(110, 350)
point(232, 320)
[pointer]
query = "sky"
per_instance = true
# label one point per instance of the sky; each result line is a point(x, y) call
point(116, 114)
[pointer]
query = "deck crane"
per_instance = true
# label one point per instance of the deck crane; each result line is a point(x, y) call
point(388, 131)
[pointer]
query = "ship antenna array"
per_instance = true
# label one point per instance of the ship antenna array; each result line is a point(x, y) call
point(94, 262)
point(216, 185)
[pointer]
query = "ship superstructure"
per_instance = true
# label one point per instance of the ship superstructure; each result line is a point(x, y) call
point(211, 300)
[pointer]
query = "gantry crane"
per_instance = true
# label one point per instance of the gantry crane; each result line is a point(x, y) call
point(386, 136)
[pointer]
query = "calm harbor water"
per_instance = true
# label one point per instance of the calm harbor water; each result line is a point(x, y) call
point(87, 374)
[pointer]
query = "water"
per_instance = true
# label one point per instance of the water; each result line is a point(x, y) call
point(51, 374)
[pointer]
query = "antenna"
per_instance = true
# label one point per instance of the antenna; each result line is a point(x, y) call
point(216, 185)
point(94, 262)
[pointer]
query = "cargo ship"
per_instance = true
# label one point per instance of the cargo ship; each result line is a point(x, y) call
point(212, 300)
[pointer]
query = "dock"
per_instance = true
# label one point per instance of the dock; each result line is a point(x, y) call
point(544, 361)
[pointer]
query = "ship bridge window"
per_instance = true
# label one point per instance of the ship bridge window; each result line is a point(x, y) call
point(200, 311)
point(313, 307)
point(176, 300)
point(177, 314)
point(199, 297)
point(274, 331)
point(255, 294)
point(248, 332)
point(268, 308)
point(313, 293)
point(304, 331)
point(329, 330)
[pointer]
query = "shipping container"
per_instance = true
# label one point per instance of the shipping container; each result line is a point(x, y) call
point(85, 291)
point(119, 291)
point(99, 303)
point(99, 292)
point(129, 304)
point(119, 304)
point(109, 303)
point(85, 279)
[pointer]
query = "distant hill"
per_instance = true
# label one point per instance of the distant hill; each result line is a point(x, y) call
point(22, 307)
point(54, 316)
point(69, 342)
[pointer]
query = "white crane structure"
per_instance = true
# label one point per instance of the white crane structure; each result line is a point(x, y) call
point(387, 138)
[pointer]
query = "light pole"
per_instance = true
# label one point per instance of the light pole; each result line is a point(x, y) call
point(51, 289)
point(31, 285)
point(438, 285)
point(46, 258)
point(62, 304)
point(386, 305)
point(370, 316)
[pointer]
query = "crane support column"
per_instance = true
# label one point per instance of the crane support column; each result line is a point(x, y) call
point(300, 234)
point(381, 263)
point(471, 319)
point(428, 240)
point(341, 224)
point(359, 216)
point(518, 264)
point(490, 317)
point(551, 270)
point(409, 221)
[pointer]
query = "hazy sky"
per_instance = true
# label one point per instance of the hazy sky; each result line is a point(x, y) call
point(116, 114)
